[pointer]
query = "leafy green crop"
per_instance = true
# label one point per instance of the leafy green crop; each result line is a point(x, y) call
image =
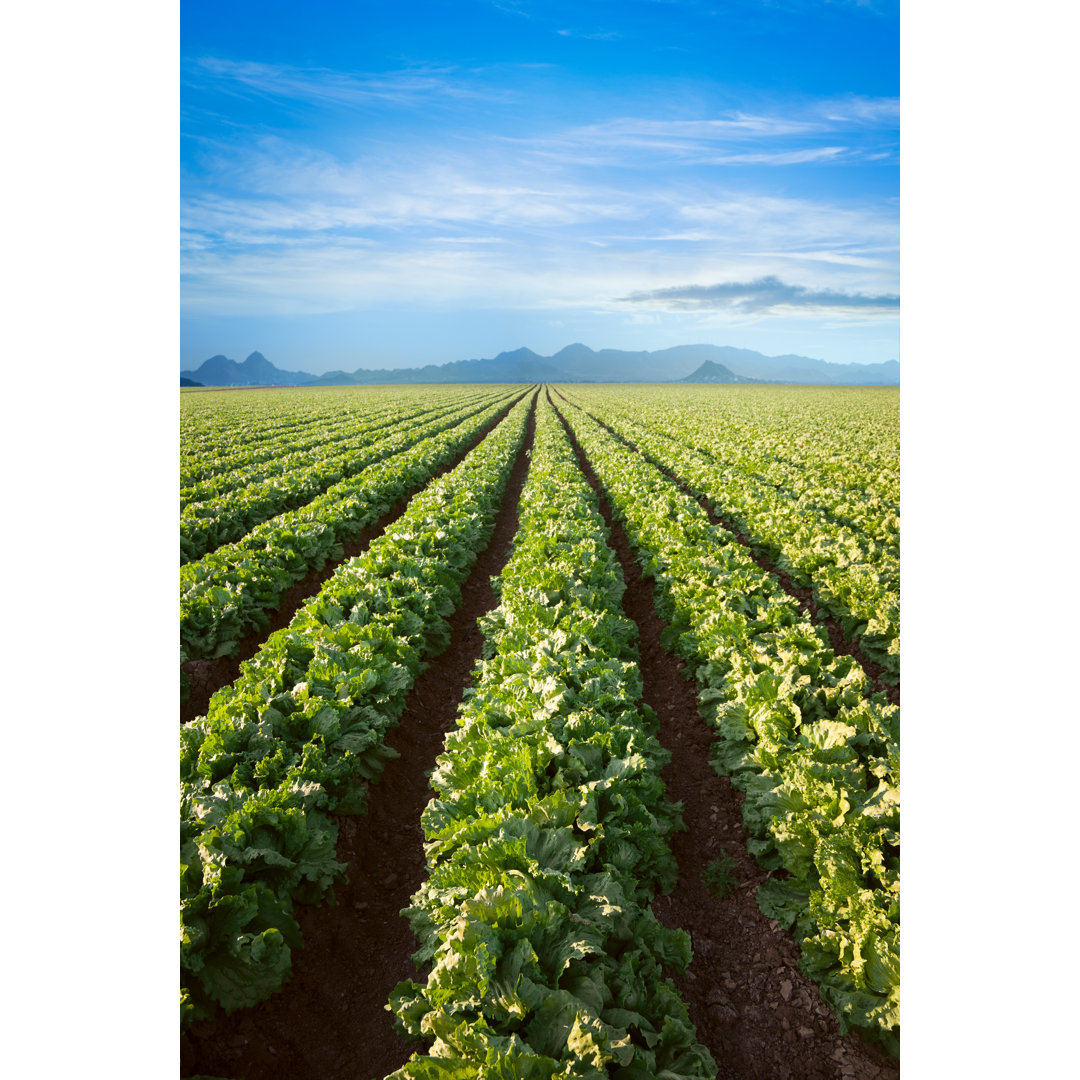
point(301, 731)
point(816, 757)
point(206, 524)
point(233, 590)
point(279, 453)
point(850, 558)
point(547, 835)
point(223, 435)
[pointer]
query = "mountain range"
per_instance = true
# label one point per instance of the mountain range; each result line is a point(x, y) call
point(575, 363)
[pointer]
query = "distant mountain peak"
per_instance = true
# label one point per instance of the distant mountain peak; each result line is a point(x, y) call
point(259, 367)
point(256, 370)
point(711, 372)
point(520, 354)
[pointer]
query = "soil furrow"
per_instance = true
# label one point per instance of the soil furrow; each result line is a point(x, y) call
point(206, 677)
point(755, 1010)
point(839, 642)
point(329, 1021)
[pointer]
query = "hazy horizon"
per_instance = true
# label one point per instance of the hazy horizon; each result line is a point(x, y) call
point(240, 358)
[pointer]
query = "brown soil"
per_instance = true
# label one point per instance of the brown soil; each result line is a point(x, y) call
point(755, 1010)
point(839, 642)
point(206, 677)
point(329, 1021)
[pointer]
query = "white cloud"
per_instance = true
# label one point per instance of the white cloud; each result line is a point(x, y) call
point(861, 110)
point(796, 133)
point(275, 226)
point(791, 225)
point(738, 125)
point(595, 35)
point(319, 273)
point(788, 157)
point(290, 189)
point(767, 295)
point(323, 86)
point(839, 258)
point(468, 240)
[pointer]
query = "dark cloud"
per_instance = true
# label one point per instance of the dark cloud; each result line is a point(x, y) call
point(763, 295)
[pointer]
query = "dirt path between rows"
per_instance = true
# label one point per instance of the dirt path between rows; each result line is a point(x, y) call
point(839, 642)
point(206, 677)
point(329, 1021)
point(759, 1015)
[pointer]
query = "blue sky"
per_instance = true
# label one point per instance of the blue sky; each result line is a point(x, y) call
point(386, 185)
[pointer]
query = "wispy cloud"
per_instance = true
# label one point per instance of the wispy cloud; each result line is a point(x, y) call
point(803, 118)
point(782, 157)
point(513, 7)
point(854, 257)
point(278, 186)
point(282, 189)
point(323, 86)
point(524, 212)
point(766, 295)
point(715, 129)
point(854, 109)
point(469, 240)
point(595, 35)
point(854, 129)
point(756, 221)
point(283, 227)
point(779, 7)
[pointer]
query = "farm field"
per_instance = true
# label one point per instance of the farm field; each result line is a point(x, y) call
point(540, 731)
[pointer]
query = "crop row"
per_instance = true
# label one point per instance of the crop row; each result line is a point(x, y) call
point(816, 758)
point(217, 470)
point(207, 525)
point(853, 578)
point(547, 836)
point(827, 484)
point(819, 483)
point(210, 424)
point(279, 457)
point(219, 430)
point(839, 444)
point(301, 731)
point(231, 591)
